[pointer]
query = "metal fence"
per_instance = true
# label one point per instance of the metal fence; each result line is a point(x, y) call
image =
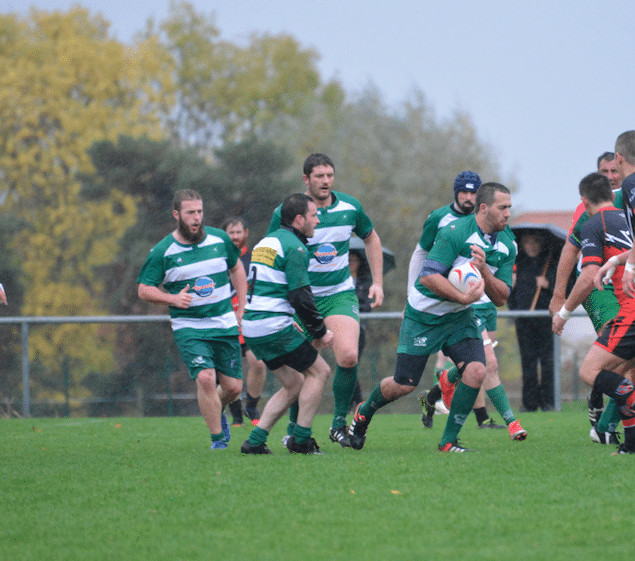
point(27, 322)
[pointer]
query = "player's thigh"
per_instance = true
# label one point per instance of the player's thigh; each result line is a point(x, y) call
point(345, 331)
point(289, 377)
point(596, 360)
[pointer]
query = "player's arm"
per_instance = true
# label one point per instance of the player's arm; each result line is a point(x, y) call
point(375, 256)
point(303, 303)
point(302, 300)
point(629, 274)
point(3, 295)
point(239, 282)
point(433, 278)
point(155, 295)
point(579, 292)
point(430, 231)
point(568, 259)
point(606, 271)
point(496, 289)
point(416, 262)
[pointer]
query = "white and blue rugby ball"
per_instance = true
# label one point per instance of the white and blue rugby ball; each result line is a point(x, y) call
point(464, 276)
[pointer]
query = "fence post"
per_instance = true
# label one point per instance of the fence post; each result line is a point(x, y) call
point(26, 389)
point(557, 374)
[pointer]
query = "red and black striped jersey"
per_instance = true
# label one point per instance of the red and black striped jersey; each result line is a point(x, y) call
point(604, 235)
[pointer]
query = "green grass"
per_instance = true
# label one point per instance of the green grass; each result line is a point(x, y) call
point(130, 488)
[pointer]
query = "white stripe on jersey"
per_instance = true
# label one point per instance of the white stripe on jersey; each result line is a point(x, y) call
point(195, 270)
point(333, 289)
point(421, 302)
point(273, 243)
point(216, 322)
point(265, 326)
point(269, 304)
point(339, 233)
point(218, 295)
point(267, 274)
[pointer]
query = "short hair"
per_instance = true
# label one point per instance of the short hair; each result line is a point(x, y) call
point(184, 195)
point(596, 188)
point(487, 193)
point(315, 160)
point(625, 146)
point(232, 221)
point(608, 156)
point(295, 204)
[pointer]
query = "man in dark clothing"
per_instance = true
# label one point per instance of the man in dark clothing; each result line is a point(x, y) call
point(535, 273)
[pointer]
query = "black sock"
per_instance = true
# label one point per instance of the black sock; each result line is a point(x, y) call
point(623, 392)
point(251, 402)
point(481, 415)
point(434, 395)
point(615, 386)
point(235, 408)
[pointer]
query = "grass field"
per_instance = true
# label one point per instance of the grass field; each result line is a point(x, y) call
point(131, 489)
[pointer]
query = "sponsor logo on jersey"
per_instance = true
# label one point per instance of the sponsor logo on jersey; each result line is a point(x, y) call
point(265, 255)
point(325, 253)
point(420, 341)
point(204, 286)
point(198, 361)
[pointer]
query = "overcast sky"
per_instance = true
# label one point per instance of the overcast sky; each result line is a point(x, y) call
point(547, 84)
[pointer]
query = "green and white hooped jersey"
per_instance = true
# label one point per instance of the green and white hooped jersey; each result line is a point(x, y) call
point(279, 264)
point(452, 248)
point(204, 266)
point(328, 268)
point(437, 219)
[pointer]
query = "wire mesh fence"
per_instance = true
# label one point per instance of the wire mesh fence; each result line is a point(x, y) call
point(148, 378)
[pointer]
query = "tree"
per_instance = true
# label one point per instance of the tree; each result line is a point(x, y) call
point(64, 84)
point(227, 92)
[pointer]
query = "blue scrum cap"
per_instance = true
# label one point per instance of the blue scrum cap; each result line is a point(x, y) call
point(467, 181)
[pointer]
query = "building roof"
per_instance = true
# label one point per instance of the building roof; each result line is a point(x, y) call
point(560, 218)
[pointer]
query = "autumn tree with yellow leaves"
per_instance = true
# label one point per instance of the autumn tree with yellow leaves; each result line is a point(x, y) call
point(65, 84)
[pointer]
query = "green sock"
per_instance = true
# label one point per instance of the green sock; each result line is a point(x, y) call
point(499, 398)
point(375, 401)
point(453, 375)
point(462, 403)
point(217, 437)
point(610, 418)
point(290, 428)
point(293, 417)
point(343, 388)
point(301, 434)
point(258, 436)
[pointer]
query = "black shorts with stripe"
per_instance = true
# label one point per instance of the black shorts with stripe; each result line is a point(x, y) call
point(618, 336)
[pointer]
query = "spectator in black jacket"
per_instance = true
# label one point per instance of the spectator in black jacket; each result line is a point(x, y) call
point(535, 270)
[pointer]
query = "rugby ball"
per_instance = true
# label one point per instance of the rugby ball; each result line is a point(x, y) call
point(464, 276)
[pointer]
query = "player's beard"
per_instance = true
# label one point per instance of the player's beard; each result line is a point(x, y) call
point(189, 236)
point(467, 207)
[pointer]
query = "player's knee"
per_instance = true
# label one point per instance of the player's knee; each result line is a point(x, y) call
point(474, 374)
point(206, 380)
point(348, 359)
point(323, 370)
point(392, 388)
point(232, 386)
point(587, 375)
